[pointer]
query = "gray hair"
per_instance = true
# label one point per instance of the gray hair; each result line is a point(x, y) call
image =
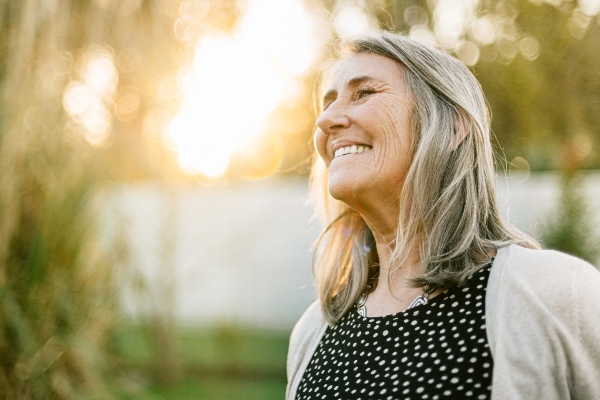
point(448, 207)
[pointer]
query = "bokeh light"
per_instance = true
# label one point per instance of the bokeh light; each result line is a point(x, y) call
point(519, 169)
point(129, 59)
point(529, 48)
point(485, 30)
point(452, 17)
point(578, 23)
point(583, 145)
point(237, 80)
point(127, 103)
point(590, 7)
point(508, 49)
point(415, 15)
point(88, 99)
point(422, 34)
point(468, 53)
point(352, 20)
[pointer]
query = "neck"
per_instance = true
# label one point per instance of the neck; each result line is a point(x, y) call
point(393, 292)
point(381, 214)
point(397, 276)
point(385, 241)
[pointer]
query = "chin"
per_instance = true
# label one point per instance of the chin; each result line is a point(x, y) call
point(344, 190)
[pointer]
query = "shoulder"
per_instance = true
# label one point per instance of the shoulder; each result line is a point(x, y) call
point(542, 313)
point(311, 321)
point(541, 273)
point(540, 281)
point(517, 256)
point(304, 340)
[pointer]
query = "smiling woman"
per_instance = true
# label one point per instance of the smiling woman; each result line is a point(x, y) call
point(423, 290)
point(373, 112)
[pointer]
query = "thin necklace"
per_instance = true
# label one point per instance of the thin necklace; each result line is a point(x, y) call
point(419, 300)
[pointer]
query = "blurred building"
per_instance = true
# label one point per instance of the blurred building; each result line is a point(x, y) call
point(241, 253)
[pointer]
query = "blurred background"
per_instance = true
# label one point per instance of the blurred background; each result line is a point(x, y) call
point(155, 235)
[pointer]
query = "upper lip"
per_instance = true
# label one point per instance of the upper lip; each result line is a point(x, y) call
point(337, 144)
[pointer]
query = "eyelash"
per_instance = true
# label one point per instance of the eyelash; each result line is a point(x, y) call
point(364, 90)
point(359, 95)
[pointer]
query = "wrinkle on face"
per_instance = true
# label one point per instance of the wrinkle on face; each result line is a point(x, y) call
point(372, 182)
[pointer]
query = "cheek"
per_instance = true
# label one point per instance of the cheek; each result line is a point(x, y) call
point(321, 146)
point(394, 126)
point(392, 130)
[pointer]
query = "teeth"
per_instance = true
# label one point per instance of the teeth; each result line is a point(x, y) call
point(351, 150)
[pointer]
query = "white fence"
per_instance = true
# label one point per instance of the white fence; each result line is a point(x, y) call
point(241, 253)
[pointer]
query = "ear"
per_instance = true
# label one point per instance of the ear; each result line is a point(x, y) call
point(461, 129)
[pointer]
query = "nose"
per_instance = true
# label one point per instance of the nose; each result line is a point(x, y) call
point(332, 120)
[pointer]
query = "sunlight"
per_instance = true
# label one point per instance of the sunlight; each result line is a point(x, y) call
point(238, 80)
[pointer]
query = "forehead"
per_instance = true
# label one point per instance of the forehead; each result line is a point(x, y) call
point(370, 65)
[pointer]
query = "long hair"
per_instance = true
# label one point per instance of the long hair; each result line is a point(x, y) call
point(448, 207)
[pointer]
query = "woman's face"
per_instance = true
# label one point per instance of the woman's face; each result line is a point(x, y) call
point(364, 131)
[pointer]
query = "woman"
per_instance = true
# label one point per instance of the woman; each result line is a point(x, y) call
point(423, 290)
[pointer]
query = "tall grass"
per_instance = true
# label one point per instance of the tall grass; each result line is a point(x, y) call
point(57, 305)
point(56, 301)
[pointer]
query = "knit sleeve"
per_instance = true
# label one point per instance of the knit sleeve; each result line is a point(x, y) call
point(543, 325)
point(303, 342)
point(586, 355)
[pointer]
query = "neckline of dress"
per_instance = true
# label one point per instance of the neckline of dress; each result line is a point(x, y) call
point(411, 310)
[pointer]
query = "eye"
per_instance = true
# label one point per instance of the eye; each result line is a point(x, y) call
point(364, 92)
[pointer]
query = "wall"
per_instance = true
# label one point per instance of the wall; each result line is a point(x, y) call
point(241, 253)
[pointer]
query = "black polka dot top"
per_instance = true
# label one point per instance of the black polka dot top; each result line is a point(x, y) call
point(438, 350)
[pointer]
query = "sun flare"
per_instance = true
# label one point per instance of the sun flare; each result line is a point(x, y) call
point(238, 80)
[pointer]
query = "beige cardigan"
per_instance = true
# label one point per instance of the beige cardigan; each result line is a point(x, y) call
point(543, 313)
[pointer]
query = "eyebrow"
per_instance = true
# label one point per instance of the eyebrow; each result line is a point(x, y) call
point(332, 94)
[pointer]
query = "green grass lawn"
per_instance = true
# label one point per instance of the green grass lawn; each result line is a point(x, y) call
point(217, 364)
point(213, 389)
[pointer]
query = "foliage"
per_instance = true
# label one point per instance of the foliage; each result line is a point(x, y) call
point(537, 62)
point(570, 228)
point(56, 301)
point(86, 91)
point(544, 104)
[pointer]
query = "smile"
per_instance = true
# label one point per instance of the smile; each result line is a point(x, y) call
point(342, 151)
